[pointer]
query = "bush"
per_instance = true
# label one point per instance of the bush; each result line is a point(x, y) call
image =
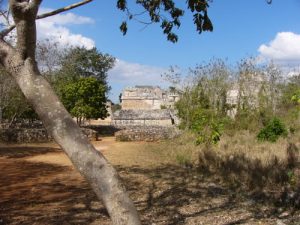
point(272, 131)
point(208, 126)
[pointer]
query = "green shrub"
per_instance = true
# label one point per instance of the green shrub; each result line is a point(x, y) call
point(272, 131)
point(207, 126)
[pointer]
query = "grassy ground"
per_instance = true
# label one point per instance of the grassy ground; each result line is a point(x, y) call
point(40, 186)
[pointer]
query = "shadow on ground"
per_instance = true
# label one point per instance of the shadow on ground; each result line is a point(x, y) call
point(40, 193)
point(175, 195)
point(20, 152)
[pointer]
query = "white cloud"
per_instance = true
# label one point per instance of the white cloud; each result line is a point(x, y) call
point(55, 28)
point(283, 49)
point(135, 73)
point(127, 74)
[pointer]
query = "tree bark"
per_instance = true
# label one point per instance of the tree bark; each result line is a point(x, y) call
point(91, 163)
point(20, 63)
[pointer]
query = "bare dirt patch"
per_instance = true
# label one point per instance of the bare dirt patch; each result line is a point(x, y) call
point(40, 186)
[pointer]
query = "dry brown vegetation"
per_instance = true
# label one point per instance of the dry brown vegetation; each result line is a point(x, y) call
point(243, 163)
point(40, 186)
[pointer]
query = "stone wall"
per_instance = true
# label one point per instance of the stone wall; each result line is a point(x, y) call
point(161, 117)
point(128, 133)
point(142, 122)
point(22, 135)
point(150, 133)
point(35, 135)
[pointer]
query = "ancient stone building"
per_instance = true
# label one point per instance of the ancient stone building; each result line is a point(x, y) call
point(147, 114)
point(147, 98)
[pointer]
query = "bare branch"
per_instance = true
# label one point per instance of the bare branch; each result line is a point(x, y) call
point(55, 12)
point(6, 31)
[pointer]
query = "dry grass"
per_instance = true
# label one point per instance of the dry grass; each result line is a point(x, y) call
point(180, 150)
point(246, 143)
point(239, 160)
point(243, 143)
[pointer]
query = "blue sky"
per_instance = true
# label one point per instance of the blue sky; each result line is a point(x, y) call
point(241, 28)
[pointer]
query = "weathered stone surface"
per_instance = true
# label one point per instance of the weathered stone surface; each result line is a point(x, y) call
point(147, 114)
point(22, 135)
point(34, 135)
point(147, 98)
point(146, 133)
point(159, 114)
point(158, 117)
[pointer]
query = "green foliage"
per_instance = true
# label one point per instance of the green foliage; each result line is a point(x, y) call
point(64, 68)
point(250, 120)
point(290, 94)
point(81, 62)
point(81, 82)
point(207, 126)
point(85, 98)
point(202, 106)
point(296, 96)
point(204, 122)
point(254, 97)
point(272, 131)
point(168, 15)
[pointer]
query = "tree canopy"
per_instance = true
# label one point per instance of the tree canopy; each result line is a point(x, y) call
point(81, 82)
point(85, 98)
point(82, 62)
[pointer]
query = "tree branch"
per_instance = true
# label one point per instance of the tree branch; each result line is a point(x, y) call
point(6, 31)
point(55, 12)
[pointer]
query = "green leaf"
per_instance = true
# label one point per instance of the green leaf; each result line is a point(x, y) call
point(123, 28)
point(121, 4)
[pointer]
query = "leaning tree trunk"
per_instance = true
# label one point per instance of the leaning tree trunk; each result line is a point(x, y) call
point(19, 62)
point(91, 163)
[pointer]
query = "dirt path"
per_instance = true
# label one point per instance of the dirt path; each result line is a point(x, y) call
point(40, 186)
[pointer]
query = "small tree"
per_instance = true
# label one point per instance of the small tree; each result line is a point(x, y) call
point(85, 98)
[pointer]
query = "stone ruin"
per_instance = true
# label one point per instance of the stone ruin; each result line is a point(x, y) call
point(147, 98)
point(147, 113)
point(36, 135)
point(141, 117)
